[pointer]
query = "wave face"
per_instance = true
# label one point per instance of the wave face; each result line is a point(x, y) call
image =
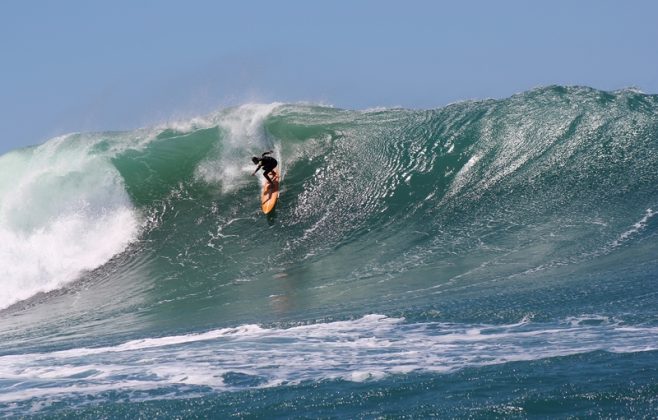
point(485, 234)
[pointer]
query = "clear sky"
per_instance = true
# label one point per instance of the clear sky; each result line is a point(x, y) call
point(85, 65)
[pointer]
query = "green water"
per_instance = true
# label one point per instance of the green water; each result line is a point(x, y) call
point(489, 259)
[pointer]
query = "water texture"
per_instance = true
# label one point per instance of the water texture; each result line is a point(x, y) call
point(492, 258)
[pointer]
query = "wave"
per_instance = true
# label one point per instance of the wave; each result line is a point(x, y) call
point(393, 205)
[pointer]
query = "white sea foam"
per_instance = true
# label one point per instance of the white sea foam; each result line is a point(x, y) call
point(62, 211)
point(635, 229)
point(244, 136)
point(365, 349)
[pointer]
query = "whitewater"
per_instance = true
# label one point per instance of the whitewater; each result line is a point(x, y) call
point(488, 258)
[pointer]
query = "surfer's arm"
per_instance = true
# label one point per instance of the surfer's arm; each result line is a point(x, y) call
point(268, 153)
point(257, 168)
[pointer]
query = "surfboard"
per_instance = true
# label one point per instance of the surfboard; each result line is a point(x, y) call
point(270, 194)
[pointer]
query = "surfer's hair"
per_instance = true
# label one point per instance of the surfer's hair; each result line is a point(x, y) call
point(255, 159)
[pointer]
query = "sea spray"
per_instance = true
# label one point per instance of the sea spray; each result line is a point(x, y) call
point(243, 136)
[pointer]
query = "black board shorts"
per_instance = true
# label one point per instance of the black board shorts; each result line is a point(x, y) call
point(269, 163)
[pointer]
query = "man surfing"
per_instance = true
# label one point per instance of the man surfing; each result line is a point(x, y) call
point(268, 163)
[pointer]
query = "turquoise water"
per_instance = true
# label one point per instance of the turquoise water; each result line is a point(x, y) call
point(490, 258)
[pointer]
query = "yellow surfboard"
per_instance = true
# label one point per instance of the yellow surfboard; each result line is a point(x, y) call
point(270, 193)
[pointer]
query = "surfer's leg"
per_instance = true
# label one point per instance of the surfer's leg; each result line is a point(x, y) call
point(267, 177)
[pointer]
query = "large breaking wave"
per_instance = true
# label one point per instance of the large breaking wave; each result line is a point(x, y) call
point(392, 207)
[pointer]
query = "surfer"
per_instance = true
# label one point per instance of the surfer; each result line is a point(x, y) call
point(268, 163)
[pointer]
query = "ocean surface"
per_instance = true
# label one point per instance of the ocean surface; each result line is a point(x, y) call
point(494, 258)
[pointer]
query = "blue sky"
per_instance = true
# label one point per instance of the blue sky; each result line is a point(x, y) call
point(109, 65)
